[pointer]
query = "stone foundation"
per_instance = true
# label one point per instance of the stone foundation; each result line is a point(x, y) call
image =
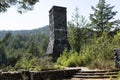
point(38, 75)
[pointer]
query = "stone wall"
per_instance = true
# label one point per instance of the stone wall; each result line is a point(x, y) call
point(38, 75)
point(117, 58)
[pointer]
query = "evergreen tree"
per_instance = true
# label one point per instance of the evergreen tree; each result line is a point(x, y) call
point(3, 58)
point(103, 17)
point(44, 43)
point(33, 49)
point(2, 55)
point(75, 30)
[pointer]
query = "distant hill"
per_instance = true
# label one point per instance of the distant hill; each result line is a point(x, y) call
point(42, 30)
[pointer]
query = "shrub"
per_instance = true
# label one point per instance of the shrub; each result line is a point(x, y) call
point(62, 60)
point(35, 63)
point(72, 59)
point(102, 53)
point(118, 78)
point(46, 63)
point(96, 54)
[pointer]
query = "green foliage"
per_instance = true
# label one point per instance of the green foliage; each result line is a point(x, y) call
point(3, 58)
point(118, 78)
point(33, 49)
point(62, 60)
point(21, 4)
point(2, 55)
point(77, 30)
point(103, 17)
point(117, 38)
point(46, 63)
point(98, 53)
point(101, 52)
point(72, 59)
point(90, 47)
point(7, 36)
point(22, 49)
point(31, 63)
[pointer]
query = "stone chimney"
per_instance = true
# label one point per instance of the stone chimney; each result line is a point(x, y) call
point(58, 32)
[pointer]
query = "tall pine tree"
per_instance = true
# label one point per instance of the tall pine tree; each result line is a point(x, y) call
point(2, 49)
point(33, 49)
point(103, 17)
point(76, 29)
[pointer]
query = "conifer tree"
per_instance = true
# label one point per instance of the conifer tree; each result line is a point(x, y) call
point(103, 17)
point(2, 49)
point(76, 27)
point(33, 49)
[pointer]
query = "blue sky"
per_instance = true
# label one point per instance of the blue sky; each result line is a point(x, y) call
point(39, 17)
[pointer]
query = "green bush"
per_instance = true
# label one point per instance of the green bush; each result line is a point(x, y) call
point(31, 63)
point(46, 63)
point(101, 51)
point(118, 78)
point(62, 60)
point(72, 59)
point(27, 64)
point(96, 54)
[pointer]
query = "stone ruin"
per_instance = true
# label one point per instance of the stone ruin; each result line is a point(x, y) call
point(117, 58)
point(58, 32)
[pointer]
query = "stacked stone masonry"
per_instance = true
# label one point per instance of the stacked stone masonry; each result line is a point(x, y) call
point(38, 75)
point(58, 31)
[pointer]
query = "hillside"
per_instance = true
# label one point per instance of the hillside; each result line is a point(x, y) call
point(42, 30)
